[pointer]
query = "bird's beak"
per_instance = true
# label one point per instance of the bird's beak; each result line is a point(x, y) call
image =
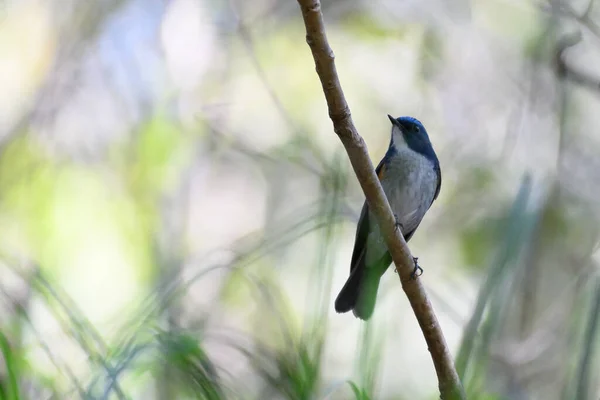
point(395, 122)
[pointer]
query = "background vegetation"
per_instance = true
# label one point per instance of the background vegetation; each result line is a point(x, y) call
point(176, 214)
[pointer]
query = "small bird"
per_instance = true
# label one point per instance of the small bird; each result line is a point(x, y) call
point(411, 178)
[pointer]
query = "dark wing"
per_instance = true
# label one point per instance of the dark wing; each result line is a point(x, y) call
point(438, 172)
point(362, 229)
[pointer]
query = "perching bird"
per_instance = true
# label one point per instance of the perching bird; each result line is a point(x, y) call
point(411, 179)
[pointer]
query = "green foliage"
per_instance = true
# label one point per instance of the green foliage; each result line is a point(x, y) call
point(476, 243)
point(367, 27)
point(9, 388)
point(67, 221)
point(27, 178)
point(369, 360)
point(513, 21)
point(296, 371)
point(359, 394)
point(159, 155)
point(188, 364)
point(477, 337)
point(235, 291)
point(432, 50)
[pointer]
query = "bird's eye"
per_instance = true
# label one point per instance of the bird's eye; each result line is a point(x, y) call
point(417, 129)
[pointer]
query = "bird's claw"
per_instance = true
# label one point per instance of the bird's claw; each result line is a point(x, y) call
point(418, 271)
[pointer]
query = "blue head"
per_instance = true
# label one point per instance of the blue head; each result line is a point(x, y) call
point(410, 132)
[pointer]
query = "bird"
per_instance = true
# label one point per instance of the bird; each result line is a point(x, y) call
point(411, 178)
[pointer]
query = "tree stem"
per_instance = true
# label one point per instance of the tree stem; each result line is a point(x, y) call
point(449, 384)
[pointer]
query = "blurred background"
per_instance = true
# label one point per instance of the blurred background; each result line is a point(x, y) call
point(177, 215)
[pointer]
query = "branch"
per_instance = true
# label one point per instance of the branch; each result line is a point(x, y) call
point(584, 18)
point(565, 71)
point(339, 112)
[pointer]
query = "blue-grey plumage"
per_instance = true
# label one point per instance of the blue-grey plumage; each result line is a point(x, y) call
point(411, 179)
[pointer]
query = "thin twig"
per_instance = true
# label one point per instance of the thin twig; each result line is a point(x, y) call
point(449, 384)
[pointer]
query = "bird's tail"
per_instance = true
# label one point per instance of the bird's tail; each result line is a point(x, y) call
point(348, 296)
point(359, 292)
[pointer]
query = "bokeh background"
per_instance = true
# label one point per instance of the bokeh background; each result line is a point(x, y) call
point(177, 215)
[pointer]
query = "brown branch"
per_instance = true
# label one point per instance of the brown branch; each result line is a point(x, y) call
point(449, 384)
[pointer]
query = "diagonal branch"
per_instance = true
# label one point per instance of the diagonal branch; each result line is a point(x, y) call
point(449, 384)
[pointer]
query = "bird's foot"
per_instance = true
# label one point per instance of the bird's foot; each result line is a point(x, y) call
point(418, 271)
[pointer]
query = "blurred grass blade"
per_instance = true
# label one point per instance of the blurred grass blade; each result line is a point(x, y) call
point(78, 326)
point(589, 344)
point(129, 355)
point(507, 250)
point(9, 387)
point(369, 360)
point(190, 365)
point(359, 394)
point(332, 190)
